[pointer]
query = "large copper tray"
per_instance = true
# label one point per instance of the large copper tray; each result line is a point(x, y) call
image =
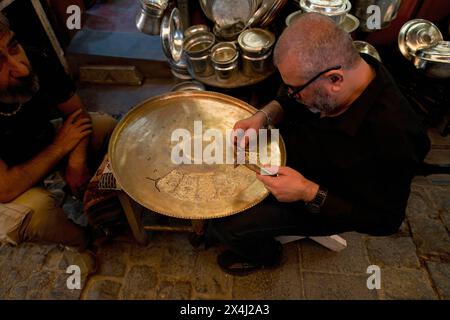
point(140, 155)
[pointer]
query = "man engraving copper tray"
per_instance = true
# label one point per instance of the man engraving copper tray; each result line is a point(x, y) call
point(141, 150)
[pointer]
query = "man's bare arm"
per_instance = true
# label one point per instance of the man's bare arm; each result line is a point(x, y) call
point(17, 179)
point(79, 154)
point(274, 111)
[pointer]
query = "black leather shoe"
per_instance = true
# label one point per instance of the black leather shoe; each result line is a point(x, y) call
point(236, 265)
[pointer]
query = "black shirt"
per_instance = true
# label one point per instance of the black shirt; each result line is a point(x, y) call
point(28, 132)
point(366, 157)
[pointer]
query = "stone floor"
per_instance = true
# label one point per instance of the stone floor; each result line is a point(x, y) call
point(415, 263)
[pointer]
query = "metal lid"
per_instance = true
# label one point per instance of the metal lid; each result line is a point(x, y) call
point(327, 7)
point(172, 36)
point(256, 40)
point(417, 34)
point(224, 52)
point(439, 52)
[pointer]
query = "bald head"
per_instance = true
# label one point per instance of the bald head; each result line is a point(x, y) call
point(314, 42)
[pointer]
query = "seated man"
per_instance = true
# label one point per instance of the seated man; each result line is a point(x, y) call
point(31, 146)
point(353, 143)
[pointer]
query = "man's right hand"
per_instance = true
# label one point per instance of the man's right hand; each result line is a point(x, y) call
point(256, 122)
point(74, 129)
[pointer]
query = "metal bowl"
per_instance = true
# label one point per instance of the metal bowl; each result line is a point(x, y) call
point(434, 61)
point(367, 48)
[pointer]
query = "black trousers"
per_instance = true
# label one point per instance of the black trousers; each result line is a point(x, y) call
point(251, 233)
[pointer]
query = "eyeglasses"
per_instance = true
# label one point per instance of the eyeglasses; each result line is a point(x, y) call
point(296, 90)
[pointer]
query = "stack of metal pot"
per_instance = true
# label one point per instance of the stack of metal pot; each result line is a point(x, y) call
point(253, 48)
point(421, 42)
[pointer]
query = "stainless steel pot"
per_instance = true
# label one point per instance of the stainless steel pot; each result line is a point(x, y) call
point(252, 66)
point(148, 19)
point(197, 48)
point(335, 9)
point(224, 57)
point(388, 9)
point(256, 42)
point(434, 61)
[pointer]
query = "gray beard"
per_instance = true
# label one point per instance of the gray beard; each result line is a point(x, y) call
point(23, 92)
point(322, 102)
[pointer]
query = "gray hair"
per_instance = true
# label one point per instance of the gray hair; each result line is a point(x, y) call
point(317, 43)
point(4, 23)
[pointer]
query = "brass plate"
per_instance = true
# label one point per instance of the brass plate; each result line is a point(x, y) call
point(140, 155)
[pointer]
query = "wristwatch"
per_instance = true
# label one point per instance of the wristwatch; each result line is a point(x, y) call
point(315, 204)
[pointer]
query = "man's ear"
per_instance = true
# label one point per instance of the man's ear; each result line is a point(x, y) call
point(336, 79)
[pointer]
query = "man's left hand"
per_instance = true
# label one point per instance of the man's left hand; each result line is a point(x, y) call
point(290, 186)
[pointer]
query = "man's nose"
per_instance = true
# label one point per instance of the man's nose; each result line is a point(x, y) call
point(17, 67)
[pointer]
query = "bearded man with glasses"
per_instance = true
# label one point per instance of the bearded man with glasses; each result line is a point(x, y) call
point(353, 144)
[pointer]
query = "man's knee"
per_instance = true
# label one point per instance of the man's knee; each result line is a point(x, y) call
point(47, 221)
point(37, 199)
point(102, 128)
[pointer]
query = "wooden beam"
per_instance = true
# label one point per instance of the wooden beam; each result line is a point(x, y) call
point(50, 33)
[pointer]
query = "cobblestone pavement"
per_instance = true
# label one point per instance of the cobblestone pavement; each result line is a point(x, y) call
point(415, 264)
